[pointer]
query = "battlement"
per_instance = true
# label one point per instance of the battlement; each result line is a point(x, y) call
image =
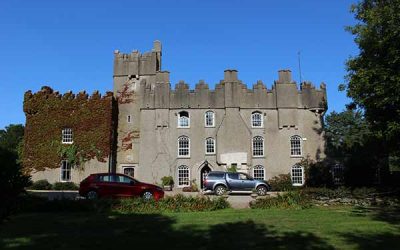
point(48, 98)
point(135, 63)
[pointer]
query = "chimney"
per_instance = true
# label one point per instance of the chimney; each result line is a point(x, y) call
point(285, 76)
point(230, 75)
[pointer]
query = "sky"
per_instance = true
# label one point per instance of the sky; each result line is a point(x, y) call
point(69, 45)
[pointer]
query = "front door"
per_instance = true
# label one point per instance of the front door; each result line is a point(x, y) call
point(203, 173)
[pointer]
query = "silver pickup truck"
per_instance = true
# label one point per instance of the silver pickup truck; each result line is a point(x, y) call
point(222, 182)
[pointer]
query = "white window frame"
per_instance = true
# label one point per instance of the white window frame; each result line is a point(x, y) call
point(212, 125)
point(181, 117)
point(295, 148)
point(256, 173)
point(183, 148)
point(65, 167)
point(252, 146)
point(67, 136)
point(253, 120)
point(206, 146)
point(183, 172)
point(296, 176)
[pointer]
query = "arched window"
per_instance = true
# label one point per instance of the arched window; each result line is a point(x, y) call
point(209, 119)
point(183, 176)
point(183, 146)
point(256, 120)
point(259, 172)
point(65, 174)
point(210, 146)
point(183, 119)
point(258, 146)
point(295, 145)
point(297, 175)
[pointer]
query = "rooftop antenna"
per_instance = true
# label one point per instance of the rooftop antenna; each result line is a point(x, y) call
point(298, 56)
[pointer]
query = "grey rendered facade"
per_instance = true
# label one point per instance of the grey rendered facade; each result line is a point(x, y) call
point(149, 111)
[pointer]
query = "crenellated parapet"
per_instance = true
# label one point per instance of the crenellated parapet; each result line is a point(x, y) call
point(47, 98)
point(232, 92)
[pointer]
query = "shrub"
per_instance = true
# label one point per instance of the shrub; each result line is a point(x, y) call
point(41, 185)
point(177, 203)
point(289, 200)
point(282, 182)
point(167, 181)
point(12, 182)
point(65, 186)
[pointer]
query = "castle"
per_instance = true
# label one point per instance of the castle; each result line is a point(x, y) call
point(158, 131)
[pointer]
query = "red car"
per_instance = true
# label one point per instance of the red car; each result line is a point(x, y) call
point(117, 185)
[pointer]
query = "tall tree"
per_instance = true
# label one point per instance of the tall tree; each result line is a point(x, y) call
point(11, 137)
point(373, 79)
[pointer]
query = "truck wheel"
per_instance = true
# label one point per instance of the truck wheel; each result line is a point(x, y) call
point(262, 190)
point(220, 190)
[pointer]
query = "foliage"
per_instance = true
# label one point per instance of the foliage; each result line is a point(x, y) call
point(282, 182)
point(41, 185)
point(345, 131)
point(12, 182)
point(48, 112)
point(374, 75)
point(11, 136)
point(177, 203)
point(232, 168)
point(192, 188)
point(65, 186)
point(167, 181)
point(351, 142)
point(291, 199)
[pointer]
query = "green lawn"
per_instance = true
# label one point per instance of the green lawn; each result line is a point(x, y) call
point(315, 228)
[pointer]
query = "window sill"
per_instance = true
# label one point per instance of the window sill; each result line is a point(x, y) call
point(67, 142)
point(208, 154)
point(296, 156)
point(183, 156)
point(258, 156)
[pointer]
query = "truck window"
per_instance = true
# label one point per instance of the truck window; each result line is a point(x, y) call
point(234, 176)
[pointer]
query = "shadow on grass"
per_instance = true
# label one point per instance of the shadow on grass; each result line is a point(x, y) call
point(377, 241)
point(99, 231)
point(387, 214)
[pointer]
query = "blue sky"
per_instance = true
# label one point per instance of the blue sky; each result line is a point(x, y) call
point(69, 45)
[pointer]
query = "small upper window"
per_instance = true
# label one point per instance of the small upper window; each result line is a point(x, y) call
point(183, 119)
point(210, 146)
point(67, 136)
point(209, 119)
point(295, 145)
point(129, 119)
point(256, 120)
point(65, 174)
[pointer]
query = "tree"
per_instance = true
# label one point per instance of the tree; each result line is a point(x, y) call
point(11, 137)
point(351, 142)
point(373, 79)
point(12, 181)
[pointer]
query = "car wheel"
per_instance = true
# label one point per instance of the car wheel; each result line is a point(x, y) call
point(147, 195)
point(91, 195)
point(262, 190)
point(220, 190)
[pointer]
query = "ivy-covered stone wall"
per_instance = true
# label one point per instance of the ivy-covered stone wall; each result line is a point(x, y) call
point(48, 112)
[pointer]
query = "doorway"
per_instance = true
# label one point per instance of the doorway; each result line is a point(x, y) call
point(203, 173)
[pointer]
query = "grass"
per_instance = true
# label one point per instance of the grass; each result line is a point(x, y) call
point(314, 228)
